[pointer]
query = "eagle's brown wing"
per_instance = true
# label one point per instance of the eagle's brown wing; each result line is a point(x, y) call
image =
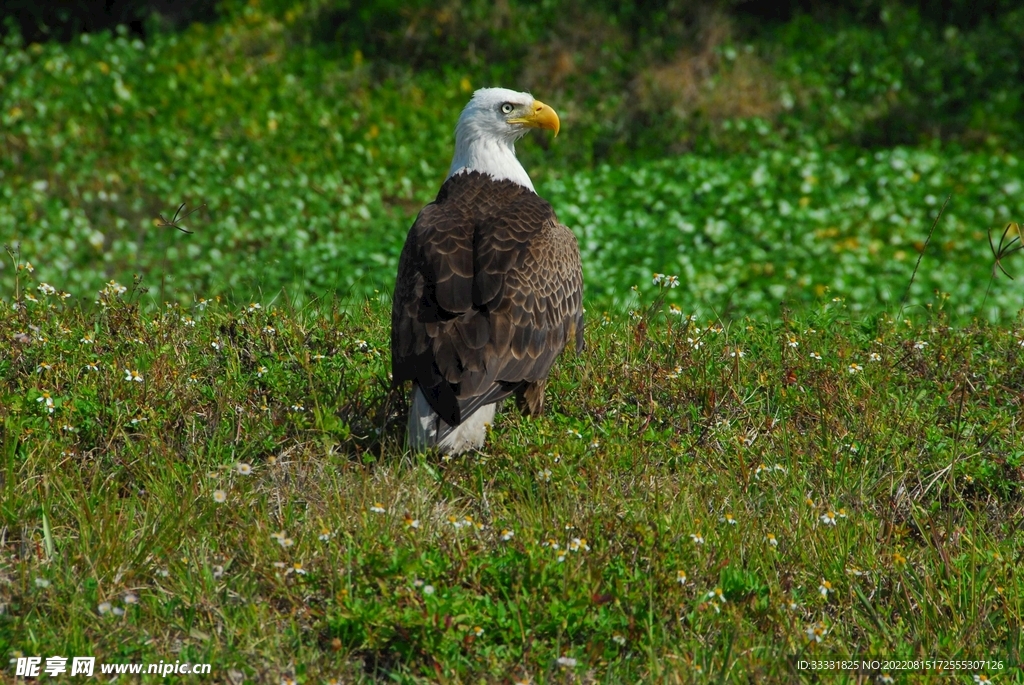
point(489, 292)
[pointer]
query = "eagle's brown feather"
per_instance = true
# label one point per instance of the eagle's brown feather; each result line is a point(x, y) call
point(489, 292)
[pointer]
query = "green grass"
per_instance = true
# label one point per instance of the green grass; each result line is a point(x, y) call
point(666, 428)
point(223, 480)
point(309, 172)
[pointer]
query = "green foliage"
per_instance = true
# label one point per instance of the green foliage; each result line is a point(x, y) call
point(228, 485)
point(214, 469)
point(422, 34)
point(308, 175)
point(906, 79)
point(291, 177)
point(747, 233)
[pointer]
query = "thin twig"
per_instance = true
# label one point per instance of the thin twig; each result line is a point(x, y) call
point(921, 255)
point(999, 253)
point(1005, 248)
point(173, 223)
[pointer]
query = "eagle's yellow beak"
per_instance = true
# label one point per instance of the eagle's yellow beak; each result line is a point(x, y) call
point(541, 117)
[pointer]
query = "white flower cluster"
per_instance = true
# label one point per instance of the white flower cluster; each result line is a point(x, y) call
point(667, 281)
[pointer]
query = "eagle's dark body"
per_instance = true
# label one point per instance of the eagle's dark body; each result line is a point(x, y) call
point(489, 292)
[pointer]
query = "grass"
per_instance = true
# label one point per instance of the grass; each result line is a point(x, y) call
point(309, 172)
point(766, 464)
point(703, 500)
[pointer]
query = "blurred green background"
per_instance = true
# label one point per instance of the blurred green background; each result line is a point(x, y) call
point(767, 153)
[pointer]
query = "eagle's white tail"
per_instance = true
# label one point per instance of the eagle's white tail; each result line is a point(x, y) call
point(424, 422)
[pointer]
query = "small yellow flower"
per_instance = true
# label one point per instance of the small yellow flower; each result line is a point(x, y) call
point(578, 544)
point(816, 631)
point(47, 401)
point(716, 594)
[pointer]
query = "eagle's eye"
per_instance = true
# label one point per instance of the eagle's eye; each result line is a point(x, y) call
point(507, 108)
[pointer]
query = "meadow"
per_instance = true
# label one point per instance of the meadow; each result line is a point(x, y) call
point(810, 449)
point(306, 173)
point(227, 485)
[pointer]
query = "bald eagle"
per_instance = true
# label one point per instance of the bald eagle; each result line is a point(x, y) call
point(489, 288)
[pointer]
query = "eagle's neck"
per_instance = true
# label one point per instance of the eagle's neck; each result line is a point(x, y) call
point(495, 157)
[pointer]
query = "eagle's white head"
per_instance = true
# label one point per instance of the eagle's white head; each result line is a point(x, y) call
point(488, 129)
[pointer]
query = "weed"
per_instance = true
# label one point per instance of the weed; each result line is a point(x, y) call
point(228, 485)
